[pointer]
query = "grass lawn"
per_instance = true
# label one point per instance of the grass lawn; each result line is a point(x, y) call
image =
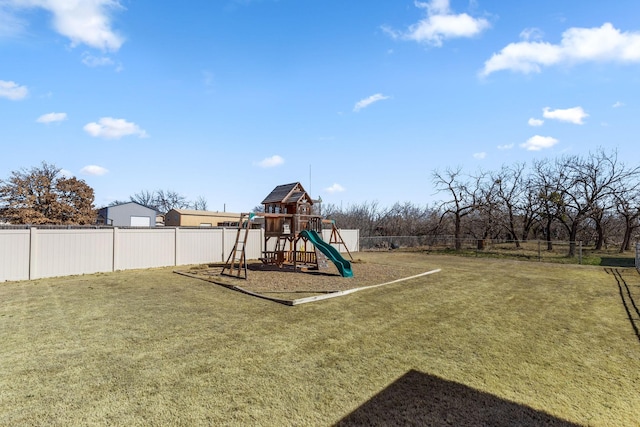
point(483, 342)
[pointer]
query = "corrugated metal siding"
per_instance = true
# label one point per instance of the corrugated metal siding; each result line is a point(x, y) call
point(198, 246)
point(14, 255)
point(68, 252)
point(144, 248)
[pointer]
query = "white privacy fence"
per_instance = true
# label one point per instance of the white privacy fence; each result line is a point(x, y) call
point(34, 253)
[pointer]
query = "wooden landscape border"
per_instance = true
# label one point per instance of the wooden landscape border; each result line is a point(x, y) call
point(299, 301)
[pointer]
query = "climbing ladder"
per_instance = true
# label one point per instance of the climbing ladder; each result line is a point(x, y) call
point(236, 265)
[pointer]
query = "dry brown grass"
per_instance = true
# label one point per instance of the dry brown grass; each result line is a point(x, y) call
point(483, 342)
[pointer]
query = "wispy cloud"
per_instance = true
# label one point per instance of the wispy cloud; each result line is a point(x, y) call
point(10, 24)
point(207, 78)
point(12, 90)
point(599, 44)
point(505, 147)
point(94, 170)
point(52, 117)
point(364, 103)
point(480, 155)
point(66, 173)
point(440, 24)
point(82, 22)
point(618, 104)
point(110, 128)
point(575, 115)
point(537, 143)
point(335, 188)
point(270, 162)
point(535, 122)
point(96, 61)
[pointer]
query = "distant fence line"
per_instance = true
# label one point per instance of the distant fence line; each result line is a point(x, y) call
point(531, 249)
point(28, 253)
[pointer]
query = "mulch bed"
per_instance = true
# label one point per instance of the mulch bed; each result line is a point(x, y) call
point(289, 284)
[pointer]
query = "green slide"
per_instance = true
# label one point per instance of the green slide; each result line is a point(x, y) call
point(344, 266)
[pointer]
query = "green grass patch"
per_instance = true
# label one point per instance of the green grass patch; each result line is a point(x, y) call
point(513, 342)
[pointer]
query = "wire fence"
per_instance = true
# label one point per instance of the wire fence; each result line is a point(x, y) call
point(535, 250)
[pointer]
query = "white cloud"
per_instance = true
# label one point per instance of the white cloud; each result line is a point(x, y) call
point(93, 170)
point(82, 22)
point(52, 117)
point(535, 122)
point(66, 173)
point(600, 44)
point(335, 188)
point(618, 104)
point(12, 90)
point(537, 143)
point(505, 147)
point(480, 155)
point(363, 103)
point(110, 128)
point(531, 34)
point(96, 61)
point(573, 115)
point(10, 25)
point(440, 24)
point(271, 162)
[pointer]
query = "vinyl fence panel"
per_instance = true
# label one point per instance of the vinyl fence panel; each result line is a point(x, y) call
point(253, 249)
point(37, 253)
point(65, 252)
point(198, 245)
point(144, 248)
point(351, 239)
point(14, 254)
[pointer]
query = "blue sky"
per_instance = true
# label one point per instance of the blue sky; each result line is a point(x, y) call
point(359, 101)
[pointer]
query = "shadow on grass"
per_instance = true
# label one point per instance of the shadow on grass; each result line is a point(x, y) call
point(617, 262)
point(628, 301)
point(426, 400)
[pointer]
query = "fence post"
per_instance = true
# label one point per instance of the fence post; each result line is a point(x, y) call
point(580, 252)
point(32, 251)
point(539, 251)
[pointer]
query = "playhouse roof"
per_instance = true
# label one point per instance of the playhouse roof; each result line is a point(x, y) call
point(287, 193)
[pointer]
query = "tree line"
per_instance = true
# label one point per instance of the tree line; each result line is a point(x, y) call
point(593, 198)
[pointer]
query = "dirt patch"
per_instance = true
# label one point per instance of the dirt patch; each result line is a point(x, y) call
point(289, 284)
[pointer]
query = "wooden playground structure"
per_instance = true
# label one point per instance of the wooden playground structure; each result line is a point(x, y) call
point(292, 235)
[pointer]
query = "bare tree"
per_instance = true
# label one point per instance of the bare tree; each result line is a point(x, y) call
point(145, 198)
point(463, 198)
point(548, 183)
point(627, 204)
point(587, 185)
point(162, 200)
point(367, 217)
point(200, 204)
point(511, 192)
point(167, 200)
